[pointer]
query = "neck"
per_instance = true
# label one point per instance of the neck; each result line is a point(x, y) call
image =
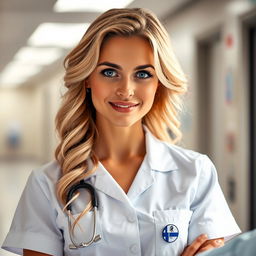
point(120, 143)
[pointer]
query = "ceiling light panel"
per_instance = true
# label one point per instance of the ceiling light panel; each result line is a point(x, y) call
point(10, 82)
point(38, 56)
point(89, 5)
point(65, 35)
point(239, 6)
point(16, 72)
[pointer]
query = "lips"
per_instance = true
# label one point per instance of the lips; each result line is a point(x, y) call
point(124, 106)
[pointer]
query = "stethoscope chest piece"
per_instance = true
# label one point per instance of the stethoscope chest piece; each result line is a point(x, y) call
point(94, 238)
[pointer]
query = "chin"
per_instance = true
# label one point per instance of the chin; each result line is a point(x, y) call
point(125, 123)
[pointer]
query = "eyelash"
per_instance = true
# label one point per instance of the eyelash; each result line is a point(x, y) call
point(103, 72)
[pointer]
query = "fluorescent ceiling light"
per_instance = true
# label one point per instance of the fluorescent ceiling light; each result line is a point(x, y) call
point(65, 35)
point(16, 72)
point(38, 56)
point(11, 81)
point(238, 7)
point(89, 5)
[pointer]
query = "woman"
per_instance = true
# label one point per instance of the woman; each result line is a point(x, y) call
point(122, 102)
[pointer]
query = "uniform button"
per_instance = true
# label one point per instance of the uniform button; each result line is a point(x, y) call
point(134, 248)
point(131, 218)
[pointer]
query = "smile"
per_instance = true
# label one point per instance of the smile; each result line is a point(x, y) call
point(123, 107)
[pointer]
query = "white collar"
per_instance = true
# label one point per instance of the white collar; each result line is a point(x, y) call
point(158, 153)
point(158, 159)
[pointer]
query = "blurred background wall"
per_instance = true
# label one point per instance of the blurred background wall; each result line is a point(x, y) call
point(215, 44)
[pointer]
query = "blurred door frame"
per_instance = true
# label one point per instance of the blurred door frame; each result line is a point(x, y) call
point(206, 49)
point(210, 99)
point(252, 107)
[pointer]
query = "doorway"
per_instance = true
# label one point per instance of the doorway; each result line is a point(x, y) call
point(252, 107)
point(211, 101)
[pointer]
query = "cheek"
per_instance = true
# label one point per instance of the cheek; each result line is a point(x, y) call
point(149, 94)
point(99, 88)
point(99, 92)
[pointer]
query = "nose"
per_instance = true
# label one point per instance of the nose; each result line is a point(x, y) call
point(125, 90)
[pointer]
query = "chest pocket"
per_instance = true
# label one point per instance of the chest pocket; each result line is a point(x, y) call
point(171, 227)
point(83, 232)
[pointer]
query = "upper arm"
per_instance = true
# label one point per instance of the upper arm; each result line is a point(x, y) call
point(34, 224)
point(211, 214)
point(33, 253)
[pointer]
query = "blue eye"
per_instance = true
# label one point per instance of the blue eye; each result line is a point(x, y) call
point(143, 74)
point(109, 72)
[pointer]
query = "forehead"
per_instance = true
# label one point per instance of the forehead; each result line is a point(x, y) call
point(127, 50)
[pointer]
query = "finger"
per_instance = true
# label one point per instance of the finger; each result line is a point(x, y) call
point(192, 248)
point(219, 243)
point(215, 244)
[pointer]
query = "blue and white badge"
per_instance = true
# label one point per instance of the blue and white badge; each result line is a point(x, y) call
point(170, 233)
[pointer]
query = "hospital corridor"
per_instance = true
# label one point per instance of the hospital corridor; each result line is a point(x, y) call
point(215, 44)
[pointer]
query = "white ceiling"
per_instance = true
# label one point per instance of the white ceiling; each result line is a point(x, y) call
point(20, 18)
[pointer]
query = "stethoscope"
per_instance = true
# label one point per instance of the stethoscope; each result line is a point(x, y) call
point(94, 197)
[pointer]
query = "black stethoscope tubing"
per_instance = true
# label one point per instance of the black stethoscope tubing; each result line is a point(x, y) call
point(83, 185)
point(95, 203)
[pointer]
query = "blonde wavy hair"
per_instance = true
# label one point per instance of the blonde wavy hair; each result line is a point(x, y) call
point(75, 120)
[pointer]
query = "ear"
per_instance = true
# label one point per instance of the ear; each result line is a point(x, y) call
point(86, 83)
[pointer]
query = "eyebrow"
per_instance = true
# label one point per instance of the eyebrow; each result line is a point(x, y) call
point(113, 65)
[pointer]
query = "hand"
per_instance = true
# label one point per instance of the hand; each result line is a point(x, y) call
point(202, 244)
